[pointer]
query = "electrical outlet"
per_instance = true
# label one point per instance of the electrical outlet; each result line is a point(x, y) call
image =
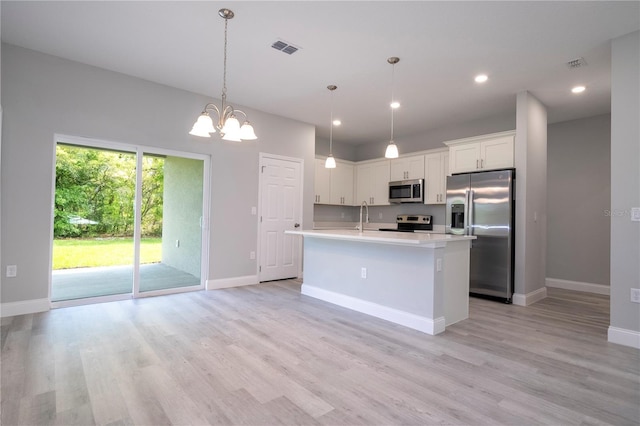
point(379, 215)
point(12, 271)
point(438, 265)
point(252, 255)
point(363, 273)
point(635, 214)
point(635, 295)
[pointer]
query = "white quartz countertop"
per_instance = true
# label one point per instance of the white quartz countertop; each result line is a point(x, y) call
point(420, 239)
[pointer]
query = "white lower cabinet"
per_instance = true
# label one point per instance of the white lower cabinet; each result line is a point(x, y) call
point(372, 183)
point(436, 169)
point(334, 186)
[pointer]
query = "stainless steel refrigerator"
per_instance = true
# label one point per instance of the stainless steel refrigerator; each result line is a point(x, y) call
point(483, 204)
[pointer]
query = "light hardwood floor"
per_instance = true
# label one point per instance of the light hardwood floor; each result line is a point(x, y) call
point(265, 355)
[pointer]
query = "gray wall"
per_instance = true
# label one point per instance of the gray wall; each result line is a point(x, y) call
point(433, 138)
point(625, 181)
point(44, 95)
point(378, 214)
point(343, 151)
point(181, 213)
point(578, 199)
point(531, 198)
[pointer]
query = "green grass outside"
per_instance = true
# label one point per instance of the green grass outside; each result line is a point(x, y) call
point(82, 253)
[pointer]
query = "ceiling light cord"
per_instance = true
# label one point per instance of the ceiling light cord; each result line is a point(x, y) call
point(393, 80)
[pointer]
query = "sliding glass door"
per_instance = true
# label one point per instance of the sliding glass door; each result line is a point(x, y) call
point(108, 246)
point(172, 224)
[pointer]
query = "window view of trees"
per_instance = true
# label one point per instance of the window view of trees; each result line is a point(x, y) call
point(95, 190)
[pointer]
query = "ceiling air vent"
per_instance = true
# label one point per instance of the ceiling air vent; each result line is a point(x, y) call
point(285, 47)
point(577, 63)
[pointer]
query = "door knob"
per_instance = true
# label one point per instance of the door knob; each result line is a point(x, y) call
point(296, 225)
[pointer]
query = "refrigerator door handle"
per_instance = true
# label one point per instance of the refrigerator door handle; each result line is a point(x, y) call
point(466, 212)
point(470, 201)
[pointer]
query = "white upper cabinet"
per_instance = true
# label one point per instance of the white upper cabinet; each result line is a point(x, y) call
point(373, 183)
point(322, 183)
point(334, 186)
point(342, 184)
point(407, 168)
point(436, 168)
point(488, 152)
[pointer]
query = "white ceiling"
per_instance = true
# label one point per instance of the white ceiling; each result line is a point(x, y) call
point(521, 45)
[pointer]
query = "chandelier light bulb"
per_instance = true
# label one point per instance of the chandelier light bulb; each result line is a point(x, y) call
point(203, 127)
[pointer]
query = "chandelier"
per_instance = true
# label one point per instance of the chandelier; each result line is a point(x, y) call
point(228, 125)
point(392, 148)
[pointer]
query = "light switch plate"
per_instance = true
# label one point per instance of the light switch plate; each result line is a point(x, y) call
point(12, 271)
point(635, 214)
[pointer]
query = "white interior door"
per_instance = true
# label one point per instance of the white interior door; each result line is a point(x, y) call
point(280, 210)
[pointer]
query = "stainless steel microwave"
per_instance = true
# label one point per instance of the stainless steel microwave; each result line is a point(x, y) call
point(406, 191)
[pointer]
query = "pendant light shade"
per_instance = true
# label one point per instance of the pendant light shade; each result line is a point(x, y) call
point(331, 162)
point(227, 123)
point(392, 148)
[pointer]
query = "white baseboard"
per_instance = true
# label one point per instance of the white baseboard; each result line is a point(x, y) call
point(416, 322)
point(529, 298)
point(11, 309)
point(624, 337)
point(578, 286)
point(232, 282)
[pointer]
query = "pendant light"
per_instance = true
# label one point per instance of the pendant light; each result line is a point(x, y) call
point(228, 125)
point(331, 162)
point(392, 149)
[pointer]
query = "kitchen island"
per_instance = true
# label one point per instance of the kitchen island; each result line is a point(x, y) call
point(418, 280)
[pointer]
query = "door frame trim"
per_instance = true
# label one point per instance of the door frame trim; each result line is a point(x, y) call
point(261, 157)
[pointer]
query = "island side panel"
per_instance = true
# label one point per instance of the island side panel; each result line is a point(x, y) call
point(401, 278)
point(456, 281)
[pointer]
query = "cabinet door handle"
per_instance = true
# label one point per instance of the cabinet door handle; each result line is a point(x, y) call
point(481, 163)
point(477, 164)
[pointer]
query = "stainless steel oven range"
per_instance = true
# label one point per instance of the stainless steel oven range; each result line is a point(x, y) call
point(411, 223)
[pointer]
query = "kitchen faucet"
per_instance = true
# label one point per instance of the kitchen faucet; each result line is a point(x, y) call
point(360, 227)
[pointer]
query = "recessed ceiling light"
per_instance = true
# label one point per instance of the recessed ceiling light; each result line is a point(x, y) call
point(578, 89)
point(337, 122)
point(395, 104)
point(481, 78)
